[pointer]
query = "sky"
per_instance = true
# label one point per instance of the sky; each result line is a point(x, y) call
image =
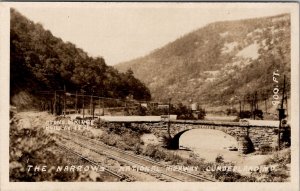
point(121, 32)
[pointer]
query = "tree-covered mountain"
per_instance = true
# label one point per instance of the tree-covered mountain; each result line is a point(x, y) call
point(40, 61)
point(219, 62)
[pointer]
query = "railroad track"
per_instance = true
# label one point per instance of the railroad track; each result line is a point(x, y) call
point(159, 176)
point(133, 159)
point(106, 169)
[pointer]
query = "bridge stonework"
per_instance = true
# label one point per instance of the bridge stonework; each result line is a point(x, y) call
point(259, 135)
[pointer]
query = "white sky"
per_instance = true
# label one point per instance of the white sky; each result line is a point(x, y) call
point(124, 31)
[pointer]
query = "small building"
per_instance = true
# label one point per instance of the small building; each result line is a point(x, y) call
point(163, 106)
point(194, 106)
point(144, 105)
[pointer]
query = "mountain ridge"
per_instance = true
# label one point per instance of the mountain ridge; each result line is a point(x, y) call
point(215, 63)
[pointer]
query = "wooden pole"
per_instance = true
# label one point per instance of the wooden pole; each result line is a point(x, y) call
point(59, 105)
point(266, 108)
point(54, 104)
point(252, 106)
point(64, 100)
point(76, 102)
point(102, 103)
point(169, 118)
point(99, 106)
point(83, 106)
point(280, 112)
point(240, 106)
point(91, 106)
point(244, 103)
point(103, 108)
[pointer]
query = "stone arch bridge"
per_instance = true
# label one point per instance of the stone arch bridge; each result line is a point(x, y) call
point(259, 136)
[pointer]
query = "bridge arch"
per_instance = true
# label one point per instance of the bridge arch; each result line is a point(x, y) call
point(175, 141)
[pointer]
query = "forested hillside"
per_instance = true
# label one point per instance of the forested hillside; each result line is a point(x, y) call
point(40, 61)
point(219, 62)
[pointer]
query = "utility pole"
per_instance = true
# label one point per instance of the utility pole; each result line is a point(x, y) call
point(103, 107)
point(83, 106)
point(255, 104)
point(286, 104)
point(281, 112)
point(91, 106)
point(50, 106)
point(125, 109)
point(99, 106)
point(256, 100)
point(169, 118)
point(64, 100)
point(252, 106)
point(54, 104)
point(102, 103)
point(240, 106)
point(76, 102)
point(266, 108)
point(244, 103)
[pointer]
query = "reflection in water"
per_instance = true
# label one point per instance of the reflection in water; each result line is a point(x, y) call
point(208, 144)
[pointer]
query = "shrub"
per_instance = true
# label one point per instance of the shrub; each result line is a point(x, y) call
point(281, 172)
point(258, 113)
point(245, 114)
point(266, 149)
point(122, 145)
point(38, 149)
point(219, 159)
point(231, 111)
point(130, 139)
point(137, 149)
point(228, 176)
point(150, 150)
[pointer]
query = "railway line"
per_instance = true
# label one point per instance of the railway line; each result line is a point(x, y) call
point(132, 159)
point(91, 161)
point(127, 177)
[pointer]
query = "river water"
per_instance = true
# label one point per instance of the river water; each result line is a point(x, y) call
point(208, 144)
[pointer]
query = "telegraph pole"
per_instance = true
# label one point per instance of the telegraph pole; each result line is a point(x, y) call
point(281, 112)
point(244, 103)
point(254, 105)
point(54, 104)
point(266, 108)
point(99, 106)
point(125, 109)
point(240, 106)
point(91, 106)
point(76, 102)
point(169, 118)
point(102, 102)
point(83, 106)
point(64, 100)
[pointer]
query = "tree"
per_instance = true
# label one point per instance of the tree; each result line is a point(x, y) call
point(41, 61)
